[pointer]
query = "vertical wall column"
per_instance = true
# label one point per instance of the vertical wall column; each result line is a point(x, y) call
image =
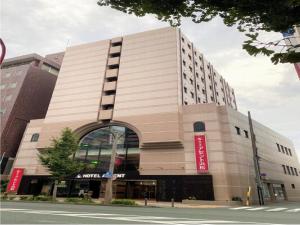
point(110, 80)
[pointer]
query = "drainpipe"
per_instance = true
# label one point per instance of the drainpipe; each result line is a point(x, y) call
point(256, 163)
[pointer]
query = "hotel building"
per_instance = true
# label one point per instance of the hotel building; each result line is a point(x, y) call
point(183, 137)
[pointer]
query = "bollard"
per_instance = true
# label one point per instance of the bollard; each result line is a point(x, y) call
point(172, 202)
point(146, 201)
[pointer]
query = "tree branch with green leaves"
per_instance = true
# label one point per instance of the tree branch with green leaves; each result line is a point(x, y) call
point(249, 16)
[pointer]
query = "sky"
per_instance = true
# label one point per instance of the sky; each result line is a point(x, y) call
point(270, 92)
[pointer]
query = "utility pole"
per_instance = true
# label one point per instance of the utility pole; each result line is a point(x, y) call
point(108, 190)
point(256, 163)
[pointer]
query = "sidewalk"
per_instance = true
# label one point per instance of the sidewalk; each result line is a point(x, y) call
point(176, 205)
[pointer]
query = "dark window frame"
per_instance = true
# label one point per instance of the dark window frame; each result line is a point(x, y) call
point(35, 137)
point(199, 126)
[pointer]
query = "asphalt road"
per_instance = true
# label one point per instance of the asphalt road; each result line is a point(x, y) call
point(48, 213)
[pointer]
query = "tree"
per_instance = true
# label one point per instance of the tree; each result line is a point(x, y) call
point(59, 157)
point(249, 16)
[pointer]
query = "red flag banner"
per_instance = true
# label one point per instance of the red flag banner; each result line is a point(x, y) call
point(297, 67)
point(201, 153)
point(15, 180)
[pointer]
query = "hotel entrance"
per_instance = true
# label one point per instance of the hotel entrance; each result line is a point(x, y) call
point(135, 189)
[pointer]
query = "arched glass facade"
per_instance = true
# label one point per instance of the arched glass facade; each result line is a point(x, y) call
point(96, 146)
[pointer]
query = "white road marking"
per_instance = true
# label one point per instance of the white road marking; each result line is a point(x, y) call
point(131, 217)
point(10, 209)
point(258, 208)
point(294, 210)
point(244, 207)
point(275, 209)
point(122, 217)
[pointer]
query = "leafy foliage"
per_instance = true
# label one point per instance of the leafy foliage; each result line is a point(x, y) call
point(249, 16)
point(58, 158)
point(124, 202)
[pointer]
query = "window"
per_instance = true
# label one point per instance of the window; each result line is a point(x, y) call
point(116, 44)
point(210, 87)
point(209, 77)
point(284, 170)
point(198, 87)
point(185, 102)
point(293, 186)
point(202, 79)
point(217, 93)
point(35, 137)
point(190, 57)
point(286, 151)
point(212, 98)
point(184, 75)
point(183, 50)
point(182, 39)
point(96, 147)
point(238, 130)
point(8, 98)
point(198, 99)
point(199, 126)
point(12, 85)
point(196, 63)
point(278, 147)
point(246, 134)
point(189, 46)
point(114, 55)
point(2, 111)
point(200, 58)
point(282, 148)
point(288, 170)
point(195, 53)
point(183, 62)
point(290, 151)
point(191, 81)
point(203, 91)
point(197, 75)
point(191, 69)
point(296, 172)
point(192, 94)
point(292, 171)
point(201, 68)
point(185, 89)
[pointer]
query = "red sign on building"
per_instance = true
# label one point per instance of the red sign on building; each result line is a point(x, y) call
point(201, 153)
point(15, 180)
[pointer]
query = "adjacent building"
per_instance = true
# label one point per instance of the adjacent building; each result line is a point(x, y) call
point(183, 137)
point(27, 83)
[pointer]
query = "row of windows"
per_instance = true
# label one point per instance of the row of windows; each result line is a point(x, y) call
point(238, 132)
point(18, 73)
point(283, 149)
point(7, 98)
point(289, 170)
point(11, 85)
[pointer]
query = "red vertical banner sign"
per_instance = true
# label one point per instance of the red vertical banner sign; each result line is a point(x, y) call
point(201, 153)
point(15, 180)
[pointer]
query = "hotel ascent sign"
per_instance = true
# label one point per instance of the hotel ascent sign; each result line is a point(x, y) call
point(15, 180)
point(201, 153)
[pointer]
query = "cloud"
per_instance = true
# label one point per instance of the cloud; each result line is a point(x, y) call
point(272, 93)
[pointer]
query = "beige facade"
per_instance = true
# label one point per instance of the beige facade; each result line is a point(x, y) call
point(145, 82)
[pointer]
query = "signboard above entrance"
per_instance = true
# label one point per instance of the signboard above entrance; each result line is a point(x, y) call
point(98, 175)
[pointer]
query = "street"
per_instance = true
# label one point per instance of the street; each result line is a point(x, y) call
point(48, 213)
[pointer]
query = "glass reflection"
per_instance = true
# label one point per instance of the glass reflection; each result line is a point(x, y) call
point(95, 148)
